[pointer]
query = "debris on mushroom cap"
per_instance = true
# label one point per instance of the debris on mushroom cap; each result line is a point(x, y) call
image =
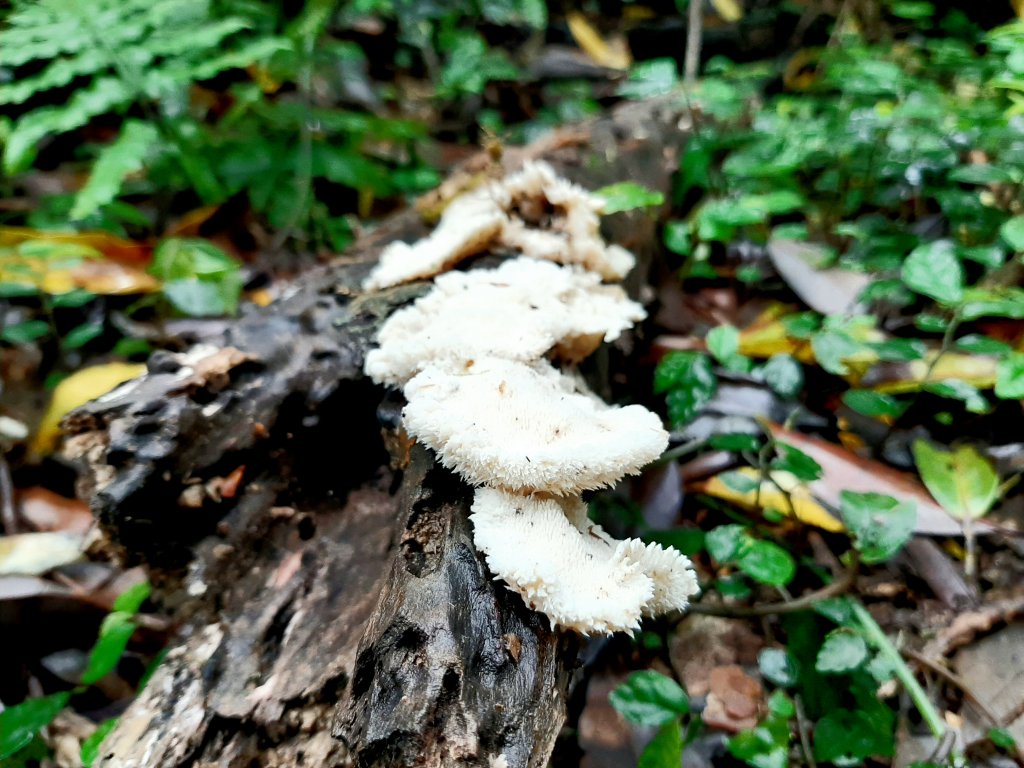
point(564, 566)
point(672, 573)
point(469, 226)
point(516, 426)
point(519, 311)
point(534, 211)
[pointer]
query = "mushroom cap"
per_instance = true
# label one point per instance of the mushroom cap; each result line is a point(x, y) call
point(524, 427)
point(534, 211)
point(563, 565)
point(519, 311)
point(469, 225)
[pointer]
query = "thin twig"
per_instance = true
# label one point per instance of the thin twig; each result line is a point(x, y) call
point(694, 33)
point(958, 682)
point(803, 728)
point(8, 511)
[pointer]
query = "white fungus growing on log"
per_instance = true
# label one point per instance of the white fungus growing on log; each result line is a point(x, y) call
point(474, 359)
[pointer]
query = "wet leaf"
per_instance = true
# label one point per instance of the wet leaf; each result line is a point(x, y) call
point(650, 698)
point(880, 524)
point(842, 651)
point(784, 375)
point(961, 480)
point(934, 270)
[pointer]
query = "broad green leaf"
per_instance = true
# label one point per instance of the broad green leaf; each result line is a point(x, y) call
point(723, 342)
point(650, 698)
point(955, 389)
point(690, 382)
point(116, 161)
point(843, 651)
point(1010, 377)
point(650, 78)
point(677, 237)
point(766, 562)
point(20, 722)
point(796, 462)
point(115, 632)
point(723, 542)
point(874, 404)
point(981, 174)
point(199, 278)
point(962, 481)
point(848, 737)
point(665, 750)
point(736, 441)
point(1013, 232)
point(81, 335)
point(24, 332)
point(784, 375)
point(627, 196)
point(778, 667)
point(934, 270)
point(880, 524)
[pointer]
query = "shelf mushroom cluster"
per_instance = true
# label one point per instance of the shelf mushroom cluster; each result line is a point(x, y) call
point(477, 359)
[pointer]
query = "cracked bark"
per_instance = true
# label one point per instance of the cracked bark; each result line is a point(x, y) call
point(331, 611)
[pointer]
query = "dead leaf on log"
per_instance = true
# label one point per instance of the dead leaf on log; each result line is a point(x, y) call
point(45, 510)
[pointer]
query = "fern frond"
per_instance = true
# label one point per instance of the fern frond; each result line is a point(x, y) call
point(115, 162)
point(102, 96)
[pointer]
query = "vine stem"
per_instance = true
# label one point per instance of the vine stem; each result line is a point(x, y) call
point(903, 673)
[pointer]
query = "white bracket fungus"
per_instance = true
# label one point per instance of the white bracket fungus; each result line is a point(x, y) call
point(534, 211)
point(471, 359)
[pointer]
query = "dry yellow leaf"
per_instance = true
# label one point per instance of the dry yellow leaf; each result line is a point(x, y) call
point(613, 54)
point(784, 493)
point(78, 389)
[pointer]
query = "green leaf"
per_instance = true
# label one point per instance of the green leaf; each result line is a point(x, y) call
point(962, 481)
point(627, 196)
point(833, 348)
point(759, 747)
point(796, 462)
point(766, 562)
point(723, 342)
point(81, 335)
point(736, 441)
point(955, 389)
point(977, 344)
point(24, 332)
point(934, 270)
point(842, 651)
point(723, 542)
point(1002, 738)
point(784, 375)
point(72, 299)
point(19, 723)
point(650, 698)
point(849, 736)
point(690, 382)
point(199, 278)
point(677, 237)
point(1010, 377)
point(91, 745)
point(1012, 232)
point(650, 78)
point(115, 163)
point(665, 750)
point(778, 667)
point(880, 524)
point(874, 404)
point(132, 598)
point(115, 632)
point(981, 174)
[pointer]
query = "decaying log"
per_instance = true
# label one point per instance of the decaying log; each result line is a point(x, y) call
point(332, 611)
